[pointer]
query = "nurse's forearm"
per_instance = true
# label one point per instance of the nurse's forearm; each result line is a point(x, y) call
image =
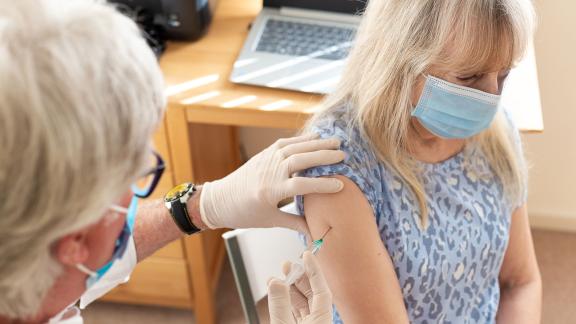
point(154, 227)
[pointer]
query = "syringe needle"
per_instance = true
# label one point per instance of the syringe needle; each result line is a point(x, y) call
point(297, 268)
point(325, 233)
point(318, 243)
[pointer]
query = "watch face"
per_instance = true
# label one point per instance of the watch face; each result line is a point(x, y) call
point(177, 192)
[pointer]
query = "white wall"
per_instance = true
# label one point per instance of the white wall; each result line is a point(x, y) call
point(552, 198)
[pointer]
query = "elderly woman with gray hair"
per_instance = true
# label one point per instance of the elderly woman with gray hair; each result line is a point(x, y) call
point(80, 96)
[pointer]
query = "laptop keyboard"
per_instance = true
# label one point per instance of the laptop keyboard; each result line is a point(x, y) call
point(301, 39)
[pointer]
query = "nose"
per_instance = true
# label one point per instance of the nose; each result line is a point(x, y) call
point(490, 83)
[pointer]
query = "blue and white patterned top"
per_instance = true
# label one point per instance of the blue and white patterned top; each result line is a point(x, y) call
point(449, 272)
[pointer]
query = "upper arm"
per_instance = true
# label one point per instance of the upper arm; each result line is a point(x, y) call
point(519, 266)
point(354, 260)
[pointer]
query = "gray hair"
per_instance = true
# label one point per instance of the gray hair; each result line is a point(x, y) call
point(80, 96)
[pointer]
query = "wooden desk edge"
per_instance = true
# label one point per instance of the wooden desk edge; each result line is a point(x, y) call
point(249, 117)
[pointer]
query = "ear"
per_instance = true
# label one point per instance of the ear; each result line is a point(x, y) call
point(72, 248)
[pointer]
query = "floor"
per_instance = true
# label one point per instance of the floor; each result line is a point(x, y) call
point(556, 255)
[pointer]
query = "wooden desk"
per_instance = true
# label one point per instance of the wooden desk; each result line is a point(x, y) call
point(199, 142)
point(197, 78)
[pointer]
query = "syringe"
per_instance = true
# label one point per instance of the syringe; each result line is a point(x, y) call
point(297, 268)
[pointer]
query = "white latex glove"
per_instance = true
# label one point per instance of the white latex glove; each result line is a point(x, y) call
point(249, 197)
point(308, 301)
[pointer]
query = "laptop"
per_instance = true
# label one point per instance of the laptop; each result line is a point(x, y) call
point(299, 45)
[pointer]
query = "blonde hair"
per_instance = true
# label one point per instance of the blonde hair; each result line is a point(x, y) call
point(80, 96)
point(398, 41)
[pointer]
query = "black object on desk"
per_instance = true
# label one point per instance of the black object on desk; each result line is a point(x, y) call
point(164, 20)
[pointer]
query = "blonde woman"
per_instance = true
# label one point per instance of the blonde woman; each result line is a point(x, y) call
point(432, 224)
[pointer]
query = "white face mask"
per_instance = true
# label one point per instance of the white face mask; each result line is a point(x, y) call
point(102, 281)
point(118, 270)
point(119, 273)
point(70, 315)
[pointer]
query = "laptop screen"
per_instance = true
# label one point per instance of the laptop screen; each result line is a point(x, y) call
point(341, 6)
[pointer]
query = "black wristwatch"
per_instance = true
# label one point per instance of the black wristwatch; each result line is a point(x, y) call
point(176, 201)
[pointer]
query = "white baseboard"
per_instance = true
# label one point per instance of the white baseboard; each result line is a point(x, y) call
point(562, 223)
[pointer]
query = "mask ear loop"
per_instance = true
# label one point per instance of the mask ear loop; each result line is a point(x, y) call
point(82, 268)
point(119, 209)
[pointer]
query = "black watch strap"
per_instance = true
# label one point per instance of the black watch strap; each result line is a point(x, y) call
point(182, 218)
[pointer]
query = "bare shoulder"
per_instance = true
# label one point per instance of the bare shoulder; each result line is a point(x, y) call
point(337, 209)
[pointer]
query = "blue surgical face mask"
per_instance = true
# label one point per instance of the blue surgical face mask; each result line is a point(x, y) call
point(121, 243)
point(455, 112)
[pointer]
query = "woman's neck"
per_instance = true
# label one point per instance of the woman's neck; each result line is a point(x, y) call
point(429, 148)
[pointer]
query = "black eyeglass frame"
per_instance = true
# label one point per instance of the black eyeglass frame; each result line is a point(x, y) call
point(156, 172)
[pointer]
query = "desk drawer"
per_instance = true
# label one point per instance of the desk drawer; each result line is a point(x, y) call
point(156, 281)
point(173, 250)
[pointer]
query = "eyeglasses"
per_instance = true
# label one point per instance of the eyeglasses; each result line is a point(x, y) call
point(145, 186)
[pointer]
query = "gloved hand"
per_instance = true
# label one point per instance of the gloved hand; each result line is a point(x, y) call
point(249, 196)
point(308, 301)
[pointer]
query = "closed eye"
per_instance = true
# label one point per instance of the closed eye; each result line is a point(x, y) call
point(467, 78)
